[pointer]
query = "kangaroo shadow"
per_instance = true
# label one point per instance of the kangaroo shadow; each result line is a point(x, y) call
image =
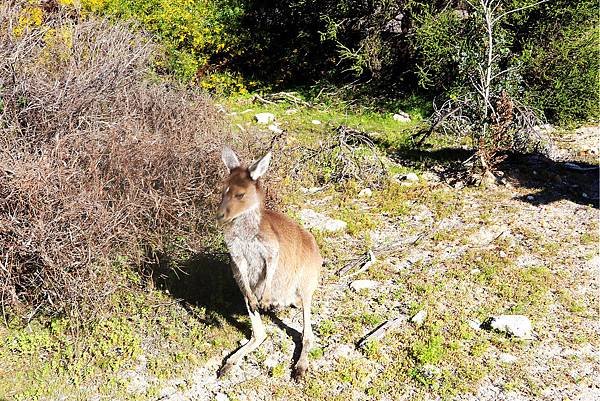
point(204, 286)
point(205, 282)
point(290, 331)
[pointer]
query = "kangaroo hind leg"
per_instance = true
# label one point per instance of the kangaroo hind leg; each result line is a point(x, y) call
point(258, 336)
point(307, 338)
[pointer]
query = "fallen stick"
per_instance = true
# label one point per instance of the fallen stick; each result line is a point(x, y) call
point(364, 267)
point(382, 330)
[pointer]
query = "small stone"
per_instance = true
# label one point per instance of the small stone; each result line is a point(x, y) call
point(475, 271)
point(507, 358)
point(530, 197)
point(264, 118)
point(401, 117)
point(315, 122)
point(342, 351)
point(430, 371)
point(271, 362)
point(515, 325)
point(407, 178)
point(221, 397)
point(310, 190)
point(365, 192)
point(474, 324)
point(502, 254)
point(411, 177)
point(488, 179)
point(419, 318)
point(312, 219)
point(459, 185)
point(291, 111)
point(274, 128)
point(358, 285)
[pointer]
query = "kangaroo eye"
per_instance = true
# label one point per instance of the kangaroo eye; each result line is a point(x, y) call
point(239, 196)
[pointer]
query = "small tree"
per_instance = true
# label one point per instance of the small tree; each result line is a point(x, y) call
point(487, 107)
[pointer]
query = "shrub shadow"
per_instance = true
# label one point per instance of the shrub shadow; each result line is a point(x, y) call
point(550, 180)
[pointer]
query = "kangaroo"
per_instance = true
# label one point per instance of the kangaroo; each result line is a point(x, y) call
point(275, 262)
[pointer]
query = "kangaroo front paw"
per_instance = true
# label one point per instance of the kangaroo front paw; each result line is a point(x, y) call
point(253, 304)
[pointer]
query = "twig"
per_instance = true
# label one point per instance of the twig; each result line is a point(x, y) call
point(262, 100)
point(365, 266)
point(382, 330)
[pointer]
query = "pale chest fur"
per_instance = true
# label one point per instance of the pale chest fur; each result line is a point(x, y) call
point(248, 250)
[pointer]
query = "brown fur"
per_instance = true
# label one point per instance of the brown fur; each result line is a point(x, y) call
point(275, 262)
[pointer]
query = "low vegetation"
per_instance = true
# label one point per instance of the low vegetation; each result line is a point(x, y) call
point(114, 282)
point(99, 160)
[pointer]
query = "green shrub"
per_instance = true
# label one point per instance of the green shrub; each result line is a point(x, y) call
point(197, 35)
point(560, 54)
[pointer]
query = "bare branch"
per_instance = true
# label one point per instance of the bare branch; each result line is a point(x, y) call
point(498, 18)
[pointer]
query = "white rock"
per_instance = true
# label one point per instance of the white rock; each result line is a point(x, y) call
point(358, 285)
point(530, 197)
point(419, 318)
point(365, 192)
point(264, 118)
point(310, 190)
point(547, 128)
point(315, 122)
point(343, 351)
point(274, 128)
point(271, 362)
point(412, 177)
point(312, 219)
point(221, 397)
point(407, 179)
point(474, 324)
point(507, 358)
point(401, 116)
point(291, 111)
point(430, 371)
point(515, 325)
point(502, 254)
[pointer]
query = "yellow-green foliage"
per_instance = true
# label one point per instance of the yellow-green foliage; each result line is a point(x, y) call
point(29, 17)
point(195, 33)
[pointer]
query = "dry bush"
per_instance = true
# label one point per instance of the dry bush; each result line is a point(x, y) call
point(97, 162)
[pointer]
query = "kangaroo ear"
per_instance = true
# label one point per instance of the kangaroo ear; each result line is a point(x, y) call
point(229, 158)
point(259, 168)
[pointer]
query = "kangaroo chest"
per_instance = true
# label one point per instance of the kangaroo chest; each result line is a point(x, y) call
point(249, 256)
point(248, 250)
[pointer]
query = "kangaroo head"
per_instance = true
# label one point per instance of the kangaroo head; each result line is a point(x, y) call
point(241, 189)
